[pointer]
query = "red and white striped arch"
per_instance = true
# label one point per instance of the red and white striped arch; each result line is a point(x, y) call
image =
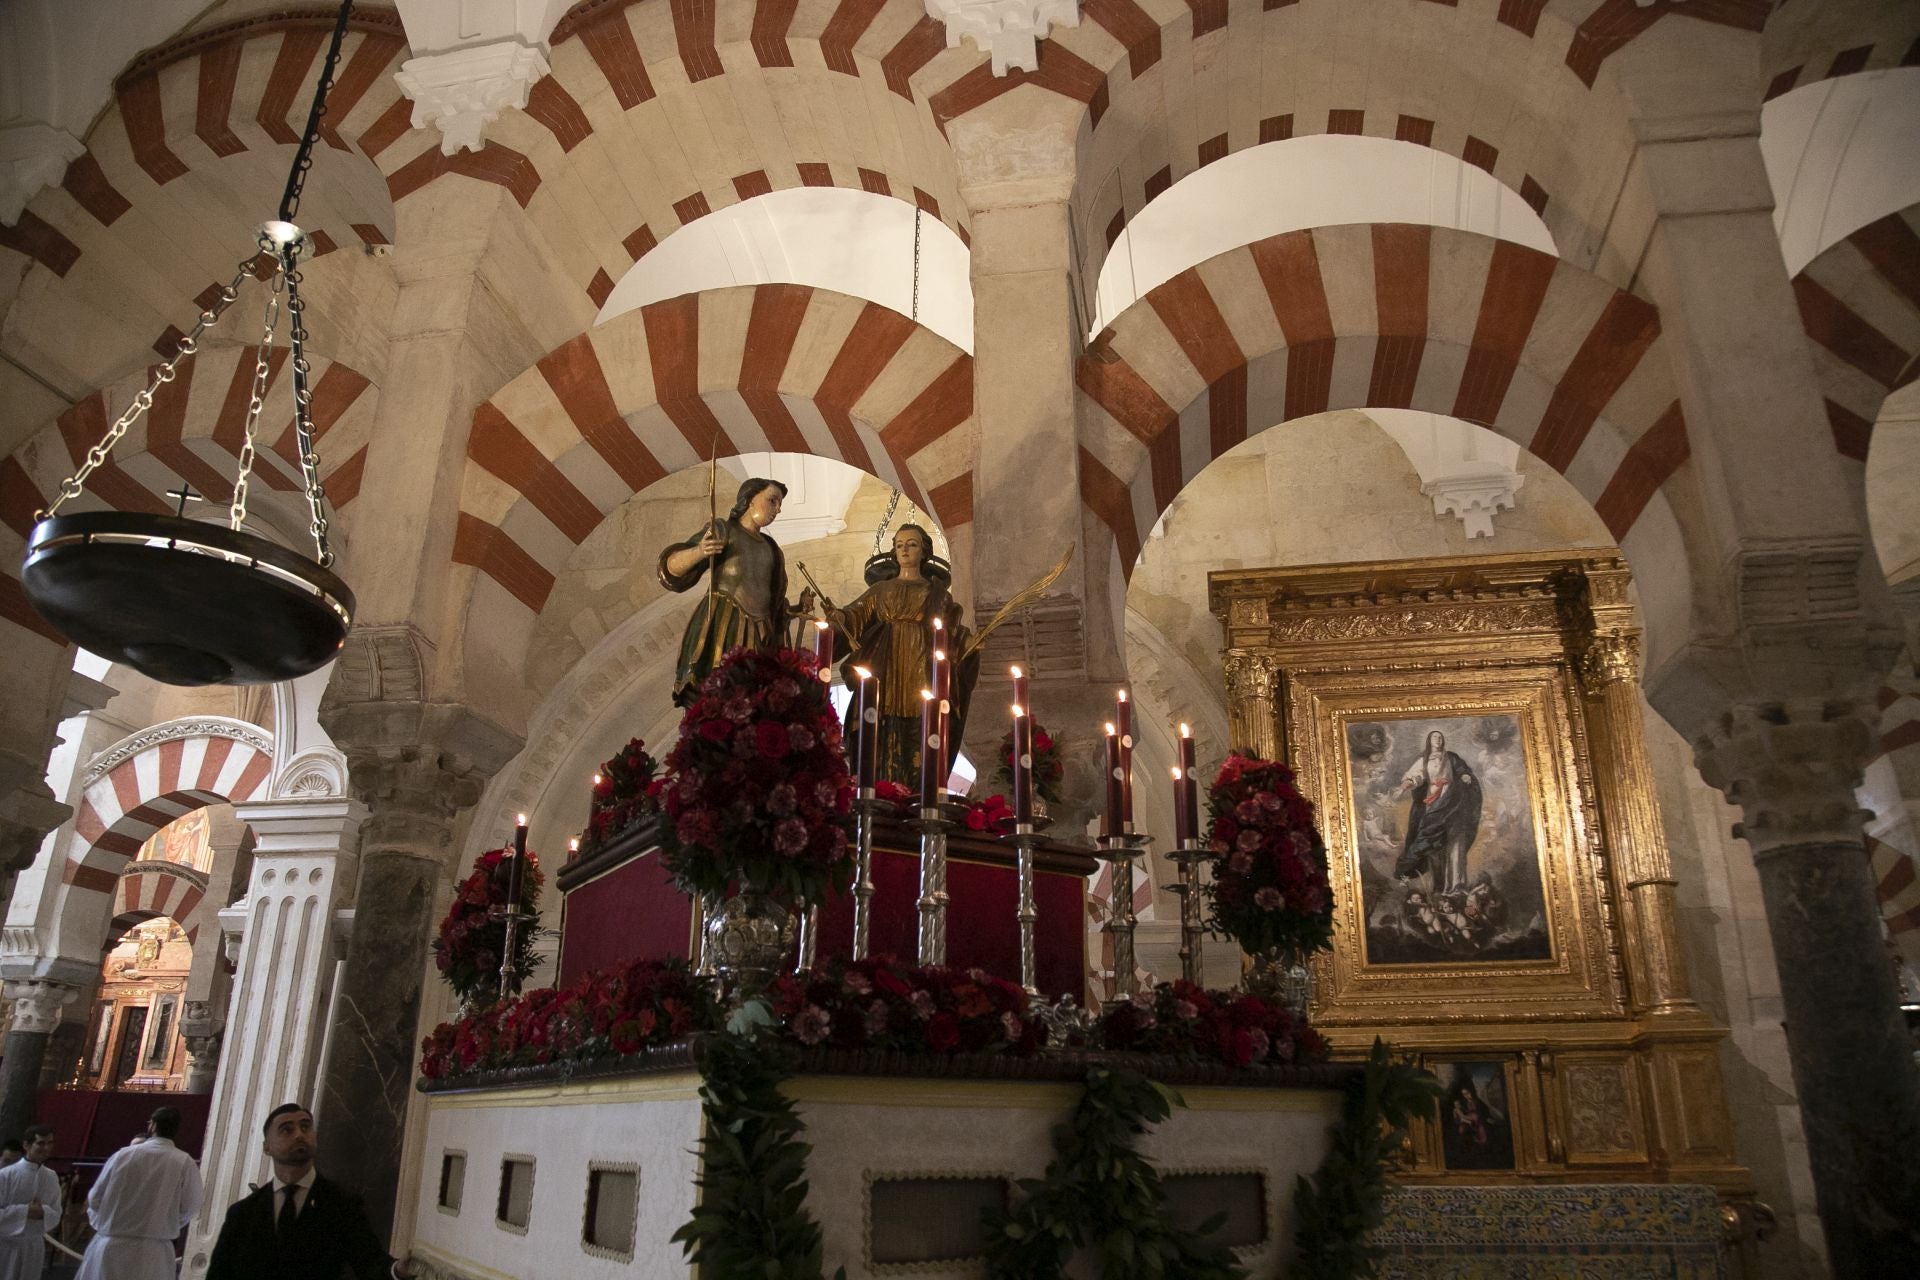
point(656, 115)
point(150, 889)
point(168, 771)
point(148, 218)
point(773, 367)
point(193, 434)
point(1382, 316)
point(1807, 43)
point(1860, 304)
point(1173, 85)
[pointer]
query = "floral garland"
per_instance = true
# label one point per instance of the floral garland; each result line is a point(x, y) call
point(1100, 1191)
point(628, 791)
point(1188, 1021)
point(1048, 768)
point(757, 789)
point(1270, 891)
point(1346, 1197)
point(603, 1015)
point(881, 1003)
point(467, 949)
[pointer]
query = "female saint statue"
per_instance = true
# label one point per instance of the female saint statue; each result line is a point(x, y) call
point(747, 602)
point(889, 630)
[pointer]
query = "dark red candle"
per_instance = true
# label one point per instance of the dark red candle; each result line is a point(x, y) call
point(823, 648)
point(1179, 806)
point(1123, 714)
point(1189, 788)
point(1110, 818)
point(866, 732)
point(932, 750)
point(1022, 764)
point(518, 859)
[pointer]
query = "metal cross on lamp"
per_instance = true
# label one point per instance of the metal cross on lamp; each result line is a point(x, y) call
point(182, 601)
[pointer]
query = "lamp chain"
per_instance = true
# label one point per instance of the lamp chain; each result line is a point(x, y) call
point(162, 374)
point(262, 369)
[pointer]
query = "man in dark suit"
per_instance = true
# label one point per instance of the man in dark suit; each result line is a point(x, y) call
point(299, 1226)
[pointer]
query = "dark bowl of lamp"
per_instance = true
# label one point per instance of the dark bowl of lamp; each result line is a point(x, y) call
point(184, 602)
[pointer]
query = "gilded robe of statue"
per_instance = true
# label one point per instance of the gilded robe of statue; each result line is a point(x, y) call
point(889, 629)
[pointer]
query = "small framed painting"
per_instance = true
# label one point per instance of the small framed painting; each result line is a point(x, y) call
point(1476, 1116)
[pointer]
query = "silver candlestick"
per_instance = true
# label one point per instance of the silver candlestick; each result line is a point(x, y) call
point(513, 916)
point(1121, 850)
point(809, 946)
point(1025, 911)
point(1189, 857)
point(864, 810)
point(933, 824)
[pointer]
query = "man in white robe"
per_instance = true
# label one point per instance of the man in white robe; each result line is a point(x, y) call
point(143, 1199)
point(29, 1208)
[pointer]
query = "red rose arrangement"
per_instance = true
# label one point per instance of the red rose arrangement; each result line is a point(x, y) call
point(992, 814)
point(467, 950)
point(757, 788)
point(881, 1003)
point(603, 1015)
point(1048, 768)
point(896, 793)
point(627, 792)
point(1270, 891)
point(1188, 1021)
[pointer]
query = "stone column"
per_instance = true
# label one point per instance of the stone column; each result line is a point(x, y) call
point(304, 867)
point(37, 1003)
point(417, 766)
point(1792, 767)
point(1016, 160)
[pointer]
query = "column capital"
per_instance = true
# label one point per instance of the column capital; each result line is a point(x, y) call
point(1792, 766)
point(1611, 658)
point(37, 1003)
point(33, 155)
point(1009, 31)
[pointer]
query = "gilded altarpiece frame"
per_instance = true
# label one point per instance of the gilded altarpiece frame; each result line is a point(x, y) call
point(1470, 731)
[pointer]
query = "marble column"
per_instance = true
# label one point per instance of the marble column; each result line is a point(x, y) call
point(37, 1003)
point(418, 766)
point(304, 870)
point(1791, 767)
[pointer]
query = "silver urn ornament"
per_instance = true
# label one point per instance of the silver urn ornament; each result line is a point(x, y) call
point(746, 941)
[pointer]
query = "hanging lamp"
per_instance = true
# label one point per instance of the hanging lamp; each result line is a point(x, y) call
point(182, 601)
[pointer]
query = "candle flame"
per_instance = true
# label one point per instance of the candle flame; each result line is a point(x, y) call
point(1176, 773)
point(1121, 695)
point(520, 820)
point(1018, 710)
point(1110, 729)
point(820, 623)
point(573, 845)
point(938, 625)
point(939, 655)
point(863, 673)
point(926, 695)
point(596, 779)
point(1017, 673)
point(1185, 732)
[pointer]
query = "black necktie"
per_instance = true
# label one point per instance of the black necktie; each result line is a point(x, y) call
point(283, 1225)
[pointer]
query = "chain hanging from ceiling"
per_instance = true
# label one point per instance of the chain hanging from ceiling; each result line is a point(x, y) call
point(180, 600)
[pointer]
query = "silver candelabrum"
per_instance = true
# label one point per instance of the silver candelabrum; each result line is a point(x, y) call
point(1121, 850)
point(934, 823)
point(1189, 858)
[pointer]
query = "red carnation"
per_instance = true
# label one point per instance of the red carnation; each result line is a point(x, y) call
point(943, 1033)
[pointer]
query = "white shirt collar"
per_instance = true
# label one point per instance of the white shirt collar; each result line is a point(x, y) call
point(304, 1181)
